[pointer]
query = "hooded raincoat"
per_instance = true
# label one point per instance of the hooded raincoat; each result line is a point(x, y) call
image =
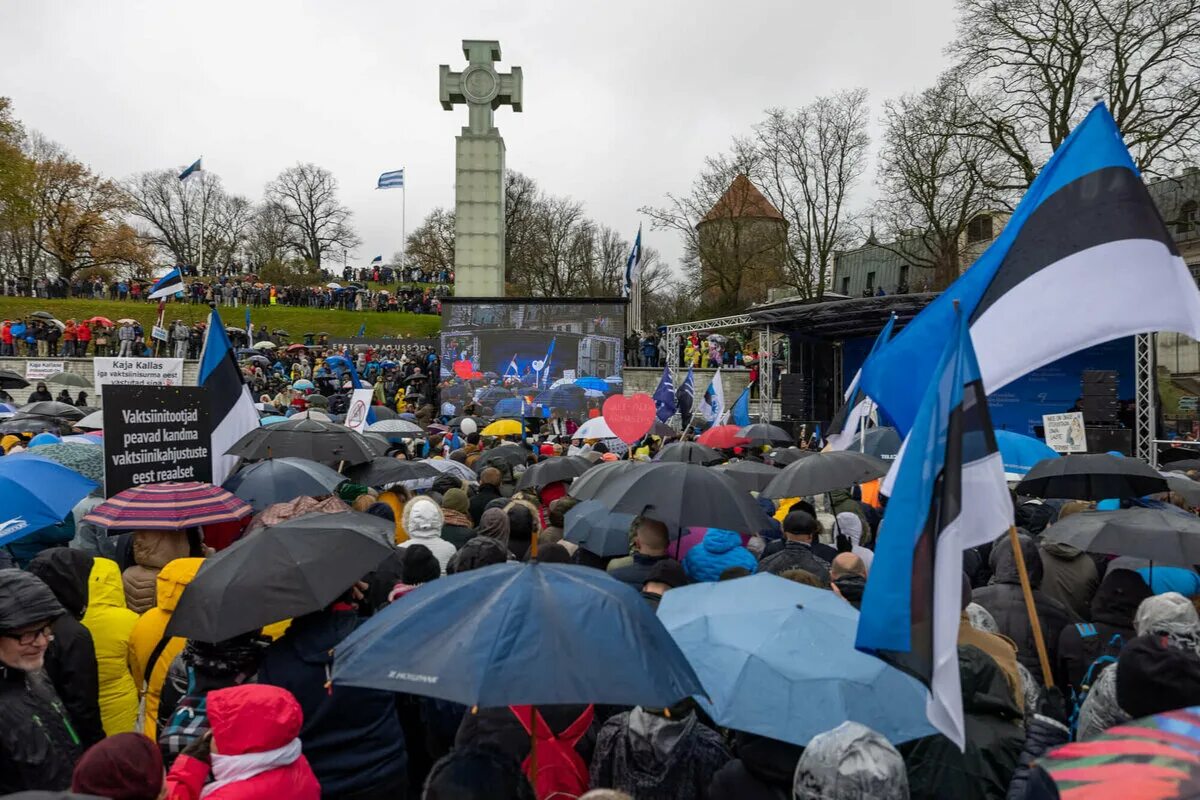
point(720, 550)
point(423, 522)
point(653, 758)
point(847, 763)
point(111, 624)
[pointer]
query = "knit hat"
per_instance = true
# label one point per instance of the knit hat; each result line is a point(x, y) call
point(668, 571)
point(419, 565)
point(125, 766)
point(546, 449)
point(1153, 677)
point(25, 600)
point(456, 500)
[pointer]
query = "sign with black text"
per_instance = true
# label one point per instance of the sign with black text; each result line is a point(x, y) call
point(154, 434)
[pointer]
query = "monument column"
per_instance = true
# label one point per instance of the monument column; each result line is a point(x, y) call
point(479, 168)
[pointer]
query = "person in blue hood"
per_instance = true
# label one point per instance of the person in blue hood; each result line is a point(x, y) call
point(720, 550)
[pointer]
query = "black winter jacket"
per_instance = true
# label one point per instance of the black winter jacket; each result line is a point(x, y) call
point(499, 729)
point(38, 746)
point(1112, 610)
point(763, 770)
point(479, 503)
point(1041, 736)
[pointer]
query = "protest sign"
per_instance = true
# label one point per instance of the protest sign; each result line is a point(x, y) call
point(38, 370)
point(356, 414)
point(1065, 432)
point(137, 372)
point(159, 332)
point(154, 434)
point(630, 418)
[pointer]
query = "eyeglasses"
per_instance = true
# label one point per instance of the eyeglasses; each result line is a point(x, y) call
point(30, 637)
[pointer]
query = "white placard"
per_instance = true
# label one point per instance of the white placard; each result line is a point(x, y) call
point(1065, 432)
point(159, 332)
point(37, 370)
point(568, 374)
point(138, 371)
point(356, 414)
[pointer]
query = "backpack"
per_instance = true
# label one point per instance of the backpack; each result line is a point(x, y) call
point(561, 773)
point(1107, 655)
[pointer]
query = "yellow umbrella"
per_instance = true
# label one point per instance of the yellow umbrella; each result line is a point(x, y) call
point(503, 427)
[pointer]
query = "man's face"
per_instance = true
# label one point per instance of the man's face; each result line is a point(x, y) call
point(25, 648)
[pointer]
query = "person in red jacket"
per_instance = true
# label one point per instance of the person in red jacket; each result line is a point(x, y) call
point(83, 337)
point(253, 750)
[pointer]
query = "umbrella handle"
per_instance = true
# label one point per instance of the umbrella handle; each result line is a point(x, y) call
point(1034, 623)
point(533, 741)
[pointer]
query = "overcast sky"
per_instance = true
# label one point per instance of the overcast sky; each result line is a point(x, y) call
point(623, 99)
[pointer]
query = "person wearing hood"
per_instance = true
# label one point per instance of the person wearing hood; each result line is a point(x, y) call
point(423, 521)
point(457, 526)
point(658, 755)
point(849, 528)
point(482, 551)
point(150, 650)
point(977, 628)
point(1111, 614)
point(1069, 577)
point(522, 526)
point(489, 490)
point(38, 743)
point(352, 736)
point(761, 769)
point(994, 739)
point(71, 657)
point(850, 762)
point(153, 550)
point(111, 624)
point(718, 551)
point(41, 393)
point(253, 752)
point(1005, 601)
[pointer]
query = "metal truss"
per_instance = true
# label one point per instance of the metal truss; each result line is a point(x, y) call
point(1145, 397)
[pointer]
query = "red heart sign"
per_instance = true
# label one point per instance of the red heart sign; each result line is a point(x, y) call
point(630, 418)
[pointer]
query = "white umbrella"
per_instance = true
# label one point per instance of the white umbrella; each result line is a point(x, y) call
point(595, 428)
point(395, 426)
point(93, 421)
point(264, 346)
point(452, 467)
point(332, 285)
point(311, 414)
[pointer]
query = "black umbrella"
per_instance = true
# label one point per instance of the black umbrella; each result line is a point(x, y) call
point(553, 470)
point(765, 433)
point(879, 442)
point(586, 486)
point(11, 380)
point(53, 408)
point(278, 480)
point(598, 530)
point(788, 455)
point(825, 472)
point(378, 443)
point(383, 471)
point(750, 475)
point(1163, 535)
point(689, 453)
point(510, 454)
point(305, 438)
point(277, 573)
point(1182, 465)
point(480, 422)
point(660, 428)
point(34, 423)
point(383, 413)
point(1184, 487)
point(42, 315)
point(1091, 477)
point(684, 495)
point(1174, 454)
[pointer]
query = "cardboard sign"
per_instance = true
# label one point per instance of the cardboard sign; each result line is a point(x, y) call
point(138, 371)
point(154, 434)
point(38, 370)
point(1065, 433)
point(159, 332)
point(360, 404)
point(630, 418)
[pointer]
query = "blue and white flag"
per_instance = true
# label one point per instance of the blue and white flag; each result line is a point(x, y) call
point(856, 406)
point(713, 407)
point(248, 326)
point(633, 264)
point(167, 285)
point(377, 260)
point(391, 180)
point(739, 412)
point(1084, 259)
point(685, 396)
point(541, 369)
point(193, 169)
point(949, 494)
point(231, 408)
point(664, 396)
point(362, 331)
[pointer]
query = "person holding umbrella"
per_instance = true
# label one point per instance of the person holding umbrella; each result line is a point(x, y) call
point(650, 540)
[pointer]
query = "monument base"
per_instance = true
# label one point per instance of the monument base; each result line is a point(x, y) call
point(479, 216)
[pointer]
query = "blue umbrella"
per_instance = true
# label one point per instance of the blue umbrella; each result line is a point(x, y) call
point(596, 529)
point(778, 660)
point(509, 407)
point(528, 634)
point(278, 480)
point(271, 419)
point(1021, 452)
point(303, 384)
point(570, 397)
point(589, 382)
point(36, 492)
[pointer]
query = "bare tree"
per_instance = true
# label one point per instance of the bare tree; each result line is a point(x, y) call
point(266, 237)
point(430, 246)
point(317, 223)
point(174, 211)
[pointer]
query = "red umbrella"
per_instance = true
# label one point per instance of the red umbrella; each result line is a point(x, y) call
point(105, 321)
point(294, 347)
point(722, 437)
point(168, 507)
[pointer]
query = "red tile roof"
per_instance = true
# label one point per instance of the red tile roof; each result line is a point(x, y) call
point(742, 199)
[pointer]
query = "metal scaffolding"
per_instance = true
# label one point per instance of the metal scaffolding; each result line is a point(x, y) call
point(1145, 398)
point(766, 375)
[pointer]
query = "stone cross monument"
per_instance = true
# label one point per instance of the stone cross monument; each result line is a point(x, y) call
point(479, 169)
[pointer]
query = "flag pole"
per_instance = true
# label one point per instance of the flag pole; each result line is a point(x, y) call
point(1034, 623)
point(203, 211)
point(404, 222)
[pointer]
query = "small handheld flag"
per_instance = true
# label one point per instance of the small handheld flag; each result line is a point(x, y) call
point(391, 180)
point(739, 412)
point(194, 168)
point(362, 330)
point(685, 397)
point(167, 285)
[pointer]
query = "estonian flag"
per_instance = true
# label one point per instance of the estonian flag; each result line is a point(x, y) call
point(231, 408)
point(377, 260)
point(167, 285)
point(739, 412)
point(664, 396)
point(1084, 259)
point(684, 398)
point(949, 495)
point(633, 264)
point(856, 405)
point(195, 167)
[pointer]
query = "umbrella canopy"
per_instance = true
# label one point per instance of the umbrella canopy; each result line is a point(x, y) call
point(825, 472)
point(1182, 465)
point(296, 567)
point(596, 529)
point(305, 438)
point(504, 427)
point(455, 468)
point(660, 428)
point(750, 475)
point(1091, 477)
point(383, 413)
point(127, 321)
point(600, 475)
point(765, 433)
point(278, 480)
point(788, 455)
point(92, 422)
point(167, 507)
point(511, 455)
point(590, 382)
point(396, 427)
point(303, 384)
point(486, 638)
point(52, 408)
point(11, 380)
point(1158, 534)
point(722, 437)
point(86, 459)
point(69, 379)
point(1021, 453)
point(553, 470)
point(36, 492)
point(596, 428)
point(879, 442)
point(263, 345)
point(510, 406)
point(42, 315)
point(382, 471)
point(489, 397)
point(34, 423)
point(98, 320)
point(683, 495)
point(1186, 488)
point(778, 660)
point(271, 419)
point(311, 413)
point(293, 348)
point(689, 453)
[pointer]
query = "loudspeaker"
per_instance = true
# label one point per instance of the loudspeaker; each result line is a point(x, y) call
point(793, 395)
point(1102, 440)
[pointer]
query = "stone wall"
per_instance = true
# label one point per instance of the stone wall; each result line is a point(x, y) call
point(84, 368)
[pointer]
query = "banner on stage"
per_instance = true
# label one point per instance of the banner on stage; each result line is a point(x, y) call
point(1065, 432)
point(40, 370)
point(138, 372)
point(154, 434)
point(360, 404)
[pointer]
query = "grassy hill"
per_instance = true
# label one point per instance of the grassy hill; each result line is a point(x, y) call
point(296, 321)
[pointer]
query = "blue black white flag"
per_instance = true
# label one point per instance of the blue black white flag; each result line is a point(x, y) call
point(167, 286)
point(377, 260)
point(231, 408)
point(193, 169)
point(391, 180)
point(664, 396)
point(1085, 258)
point(633, 264)
point(739, 412)
point(713, 407)
point(856, 406)
point(685, 397)
point(949, 494)
point(362, 330)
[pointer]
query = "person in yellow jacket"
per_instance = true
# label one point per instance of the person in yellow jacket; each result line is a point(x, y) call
point(150, 654)
point(111, 625)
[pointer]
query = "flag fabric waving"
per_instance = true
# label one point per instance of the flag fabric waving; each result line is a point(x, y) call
point(739, 412)
point(391, 180)
point(192, 170)
point(856, 405)
point(377, 260)
point(713, 407)
point(1084, 259)
point(664, 396)
point(231, 408)
point(684, 398)
point(167, 285)
point(362, 331)
point(949, 495)
point(248, 326)
point(633, 265)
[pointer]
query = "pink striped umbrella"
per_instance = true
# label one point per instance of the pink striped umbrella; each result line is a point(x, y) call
point(168, 507)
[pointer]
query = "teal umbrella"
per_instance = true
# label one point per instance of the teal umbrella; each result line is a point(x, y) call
point(87, 460)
